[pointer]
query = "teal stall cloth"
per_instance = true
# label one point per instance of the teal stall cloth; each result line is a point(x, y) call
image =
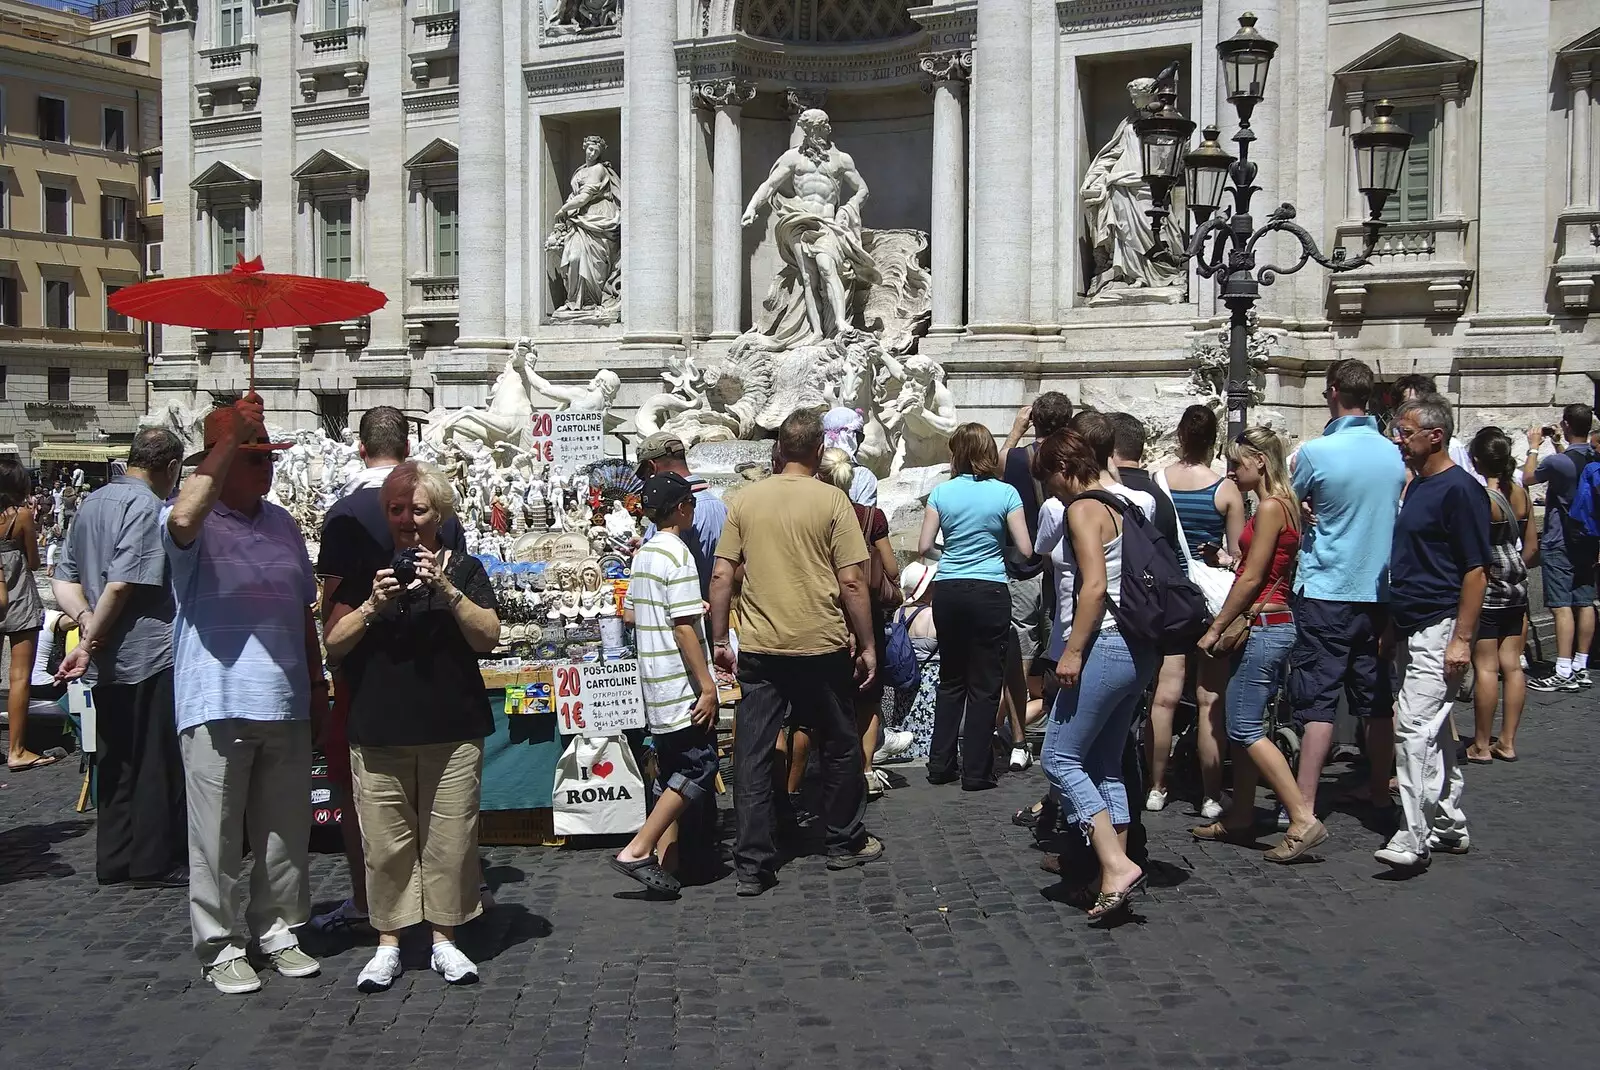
point(519, 760)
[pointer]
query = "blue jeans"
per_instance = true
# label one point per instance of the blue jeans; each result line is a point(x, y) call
point(1089, 727)
point(1258, 673)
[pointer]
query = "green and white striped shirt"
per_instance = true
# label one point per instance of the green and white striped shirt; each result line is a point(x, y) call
point(665, 585)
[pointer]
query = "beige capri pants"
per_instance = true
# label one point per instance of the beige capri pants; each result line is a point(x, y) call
point(419, 826)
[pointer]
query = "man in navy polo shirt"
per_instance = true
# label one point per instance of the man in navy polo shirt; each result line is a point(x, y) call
point(1437, 573)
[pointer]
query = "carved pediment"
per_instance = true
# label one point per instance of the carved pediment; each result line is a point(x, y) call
point(224, 181)
point(439, 152)
point(1401, 50)
point(327, 164)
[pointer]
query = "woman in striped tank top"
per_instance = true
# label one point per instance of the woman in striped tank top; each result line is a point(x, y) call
point(1502, 628)
point(1211, 511)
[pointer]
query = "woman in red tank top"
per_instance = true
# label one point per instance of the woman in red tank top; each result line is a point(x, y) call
point(1257, 628)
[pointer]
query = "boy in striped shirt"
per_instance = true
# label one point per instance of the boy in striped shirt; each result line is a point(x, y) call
point(680, 694)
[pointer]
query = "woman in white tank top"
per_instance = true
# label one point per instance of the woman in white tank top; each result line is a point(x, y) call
point(1102, 677)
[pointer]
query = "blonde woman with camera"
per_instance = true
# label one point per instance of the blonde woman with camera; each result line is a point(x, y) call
point(1256, 630)
point(407, 631)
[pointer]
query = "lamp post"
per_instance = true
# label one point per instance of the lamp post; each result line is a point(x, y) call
point(1224, 240)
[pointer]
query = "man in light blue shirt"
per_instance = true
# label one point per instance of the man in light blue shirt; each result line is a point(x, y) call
point(248, 681)
point(1351, 478)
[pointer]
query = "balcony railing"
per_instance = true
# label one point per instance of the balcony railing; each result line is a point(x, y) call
point(1418, 268)
point(342, 51)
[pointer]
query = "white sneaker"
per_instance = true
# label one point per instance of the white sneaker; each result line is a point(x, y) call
point(380, 974)
point(895, 745)
point(1455, 845)
point(1156, 801)
point(877, 782)
point(341, 918)
point(1283, 819)
point(1400, 857)
point(1210, 810)
point(1021, 757)
point(452, 965)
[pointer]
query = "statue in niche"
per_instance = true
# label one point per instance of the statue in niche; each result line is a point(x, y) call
point(1115, 200)
point(818, 234)
point(585, 237)
point(569, 17)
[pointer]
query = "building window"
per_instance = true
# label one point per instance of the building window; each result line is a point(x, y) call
point(5, 198)
point(58, 305)
point(335, 14)
point(155, 184)
point(441, 7)
point(117, 386)
point(52, 119)
point(334, 412)
point(10, 302)
point(229, 225)
point(60, 388)
point(152, 258)
point(1414, 201)
point(115, 321)
point(230, 23)
point(446, 233)
point(114, 218)
point(335, 244)
point(57, 210)
point(2, 382)
point(114, 130)
point(125, 46)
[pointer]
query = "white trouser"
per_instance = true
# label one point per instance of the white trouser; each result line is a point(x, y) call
point(259, 771)
point(1424, 754)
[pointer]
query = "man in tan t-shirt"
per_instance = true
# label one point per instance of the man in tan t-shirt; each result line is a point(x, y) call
point(802, 610)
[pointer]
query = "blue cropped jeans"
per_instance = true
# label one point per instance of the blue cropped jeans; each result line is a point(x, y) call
point(1089, 726)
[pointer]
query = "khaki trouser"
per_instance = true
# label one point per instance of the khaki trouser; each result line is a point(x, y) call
point(419, 827)
point(1425, 763)
point(257, 771)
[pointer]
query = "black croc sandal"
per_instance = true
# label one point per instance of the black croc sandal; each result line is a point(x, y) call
point(648, 872)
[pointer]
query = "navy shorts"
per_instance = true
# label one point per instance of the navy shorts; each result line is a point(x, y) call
point(1501, 623)
point(1336, 648)
point(686, 762)
point(1568, 580)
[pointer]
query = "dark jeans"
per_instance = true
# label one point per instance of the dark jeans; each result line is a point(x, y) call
point(973, 618)
point(142, 828)
point(816, 692)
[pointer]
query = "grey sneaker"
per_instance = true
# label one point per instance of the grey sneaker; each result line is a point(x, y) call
point(1581, 678)
point(234, 977)
point(1454, 845)
point(292, 962)
point(871, 850)
point(1553, 683)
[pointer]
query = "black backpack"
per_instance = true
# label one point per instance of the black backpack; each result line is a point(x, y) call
point(1159, 605)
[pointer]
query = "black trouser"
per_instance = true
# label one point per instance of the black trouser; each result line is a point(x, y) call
point(816, 692)
point(142, 824)
point(973, 618)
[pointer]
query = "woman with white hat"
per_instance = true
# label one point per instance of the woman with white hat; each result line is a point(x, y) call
point(914, 709)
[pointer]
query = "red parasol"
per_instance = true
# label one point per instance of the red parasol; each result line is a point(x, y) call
point(247, 299)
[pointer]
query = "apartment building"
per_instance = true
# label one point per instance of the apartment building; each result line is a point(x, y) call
point(80, 134)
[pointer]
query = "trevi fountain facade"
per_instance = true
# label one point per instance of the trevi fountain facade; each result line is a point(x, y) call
point(702, 214)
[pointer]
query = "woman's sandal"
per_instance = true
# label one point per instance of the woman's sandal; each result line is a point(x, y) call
point(1217, 832)
point(1108, 905)
point(1028, 816)
point(648, 872)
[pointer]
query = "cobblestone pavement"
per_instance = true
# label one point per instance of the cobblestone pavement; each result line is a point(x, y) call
point(955, 950)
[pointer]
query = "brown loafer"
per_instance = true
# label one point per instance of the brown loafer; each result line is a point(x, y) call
point(1294, 847)
point(1217, 832)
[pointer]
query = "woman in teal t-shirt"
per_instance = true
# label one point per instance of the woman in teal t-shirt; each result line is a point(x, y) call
point(973, 512)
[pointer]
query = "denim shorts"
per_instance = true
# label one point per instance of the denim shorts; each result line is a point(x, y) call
point(1568, 581)
point(1258, 673)
point(686, 761)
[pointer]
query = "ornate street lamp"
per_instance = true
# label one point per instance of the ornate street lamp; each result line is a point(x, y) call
point(1208, 172)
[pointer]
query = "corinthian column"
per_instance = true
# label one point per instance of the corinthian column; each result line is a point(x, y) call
point(650, 176)
point(949, 72)
point(1002, 145)
point(482, 170)
point(726, 99)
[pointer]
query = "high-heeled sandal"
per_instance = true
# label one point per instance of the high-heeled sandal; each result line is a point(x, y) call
point(1109, 905)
